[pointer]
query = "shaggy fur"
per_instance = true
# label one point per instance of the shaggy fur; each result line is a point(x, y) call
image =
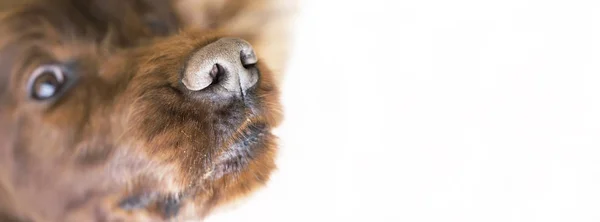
point(124, 140)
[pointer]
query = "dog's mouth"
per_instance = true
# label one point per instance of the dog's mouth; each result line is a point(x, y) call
point(247, 144)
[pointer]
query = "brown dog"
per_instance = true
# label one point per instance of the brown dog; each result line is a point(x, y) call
point(103, 120)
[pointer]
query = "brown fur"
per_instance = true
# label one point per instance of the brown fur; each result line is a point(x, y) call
point(126, 141)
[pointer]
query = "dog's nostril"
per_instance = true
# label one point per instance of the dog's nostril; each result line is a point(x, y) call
point(227, 62)
point(248, 57)
point(216, 73)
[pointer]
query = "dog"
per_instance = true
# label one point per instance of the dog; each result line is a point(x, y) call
point(136, 110)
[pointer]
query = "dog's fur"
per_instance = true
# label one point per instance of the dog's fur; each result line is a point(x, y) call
point(124, 141)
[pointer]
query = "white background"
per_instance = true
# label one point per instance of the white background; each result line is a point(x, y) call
point(437, 110)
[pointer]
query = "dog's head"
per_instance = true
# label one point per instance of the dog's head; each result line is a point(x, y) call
point(97, 129)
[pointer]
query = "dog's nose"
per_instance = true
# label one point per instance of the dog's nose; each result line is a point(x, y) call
point(227, 64)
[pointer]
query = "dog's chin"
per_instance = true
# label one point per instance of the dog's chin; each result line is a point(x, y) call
point(246, 145)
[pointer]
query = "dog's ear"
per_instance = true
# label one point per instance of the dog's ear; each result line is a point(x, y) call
point(263, 23)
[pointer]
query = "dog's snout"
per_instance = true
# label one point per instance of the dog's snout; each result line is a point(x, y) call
point(227, 63)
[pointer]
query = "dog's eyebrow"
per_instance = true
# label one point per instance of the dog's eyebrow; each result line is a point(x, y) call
point(15, 59)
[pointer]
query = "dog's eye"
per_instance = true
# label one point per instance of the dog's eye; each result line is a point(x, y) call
point(46, 81)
